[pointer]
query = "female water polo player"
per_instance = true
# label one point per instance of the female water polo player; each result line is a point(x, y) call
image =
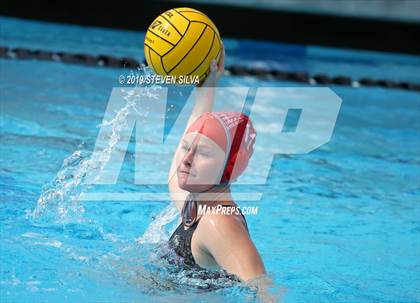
point(213, 152)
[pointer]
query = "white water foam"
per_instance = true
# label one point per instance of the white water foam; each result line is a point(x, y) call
point(155, 232)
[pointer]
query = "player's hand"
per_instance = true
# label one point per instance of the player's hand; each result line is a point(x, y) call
point(216, 70)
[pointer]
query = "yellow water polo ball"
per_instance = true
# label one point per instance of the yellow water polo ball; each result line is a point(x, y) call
point(182, 42)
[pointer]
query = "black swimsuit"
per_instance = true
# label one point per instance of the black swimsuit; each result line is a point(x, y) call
point(180, 243)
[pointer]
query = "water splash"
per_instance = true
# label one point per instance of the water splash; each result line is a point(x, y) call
point(155, 232)
point(59, 201)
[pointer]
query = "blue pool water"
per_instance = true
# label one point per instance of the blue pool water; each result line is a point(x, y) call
point(340, 224)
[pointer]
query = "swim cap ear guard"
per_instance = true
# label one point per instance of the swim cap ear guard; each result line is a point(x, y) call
point(240, 153)
point(235, 167)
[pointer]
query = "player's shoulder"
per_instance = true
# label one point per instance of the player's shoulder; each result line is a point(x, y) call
point(226, 219)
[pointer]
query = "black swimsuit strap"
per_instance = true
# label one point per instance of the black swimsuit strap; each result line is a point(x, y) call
point(180, 241)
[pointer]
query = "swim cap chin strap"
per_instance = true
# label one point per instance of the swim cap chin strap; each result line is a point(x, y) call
point(189, 212)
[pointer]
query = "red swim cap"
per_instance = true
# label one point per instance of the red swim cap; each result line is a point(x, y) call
point(235, 135)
